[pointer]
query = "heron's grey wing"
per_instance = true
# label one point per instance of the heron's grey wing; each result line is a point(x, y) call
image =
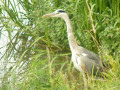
point(89, 66)
point(90, 55)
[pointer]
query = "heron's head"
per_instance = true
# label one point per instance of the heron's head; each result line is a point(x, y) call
point(57, 13)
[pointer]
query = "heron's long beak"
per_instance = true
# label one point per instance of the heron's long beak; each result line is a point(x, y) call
point(49, 15)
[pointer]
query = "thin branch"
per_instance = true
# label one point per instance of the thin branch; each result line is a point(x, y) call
point(93, 26)
point(95, 41)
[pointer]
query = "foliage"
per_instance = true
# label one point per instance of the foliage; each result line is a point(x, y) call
point(39, 46)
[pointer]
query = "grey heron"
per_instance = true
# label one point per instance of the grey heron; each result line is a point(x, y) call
point(84, 60)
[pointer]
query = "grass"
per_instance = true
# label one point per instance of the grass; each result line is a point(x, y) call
point(53, 73)
point(40, 47)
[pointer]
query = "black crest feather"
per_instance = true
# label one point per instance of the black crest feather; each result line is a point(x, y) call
point(61, 11)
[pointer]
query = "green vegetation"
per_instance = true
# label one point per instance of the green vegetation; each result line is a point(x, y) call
point(40, 50)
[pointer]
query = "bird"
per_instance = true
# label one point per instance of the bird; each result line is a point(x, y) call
point(83, 60)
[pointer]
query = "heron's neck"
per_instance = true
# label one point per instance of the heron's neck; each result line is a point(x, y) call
point(71, 38)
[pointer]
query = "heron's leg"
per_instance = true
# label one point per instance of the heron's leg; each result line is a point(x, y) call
point(85, 81)
point(88, 79)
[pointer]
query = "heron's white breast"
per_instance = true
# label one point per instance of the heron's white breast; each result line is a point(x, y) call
point(77, 61)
